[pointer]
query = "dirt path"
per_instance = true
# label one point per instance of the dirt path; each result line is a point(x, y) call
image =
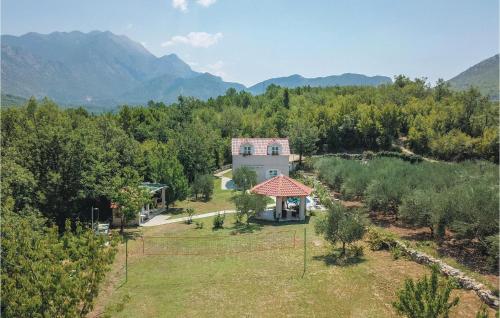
point(400, 144)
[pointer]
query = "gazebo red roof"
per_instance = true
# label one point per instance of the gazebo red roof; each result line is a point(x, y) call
point(281, 186)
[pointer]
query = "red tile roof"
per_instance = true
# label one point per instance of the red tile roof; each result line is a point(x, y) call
point(281, 186)
point(260, 145)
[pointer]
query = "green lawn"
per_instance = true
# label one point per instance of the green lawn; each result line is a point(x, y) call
point(257, 283)
point(220, 200)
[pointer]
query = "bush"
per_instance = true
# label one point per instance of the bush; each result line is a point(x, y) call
point(357, 251)
point(425, 297)
point(199, 224)
point(219, 221)
point(396, 252)
point(380, 240)
point(190, 213)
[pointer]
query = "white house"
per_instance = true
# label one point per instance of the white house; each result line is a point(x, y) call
point(269, 157)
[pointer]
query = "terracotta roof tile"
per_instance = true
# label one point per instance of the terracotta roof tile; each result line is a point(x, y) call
point(260, 145)
point(282, 186)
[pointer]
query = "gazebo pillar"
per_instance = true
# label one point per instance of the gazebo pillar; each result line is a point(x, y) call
point(302, 208)
point(279, 204)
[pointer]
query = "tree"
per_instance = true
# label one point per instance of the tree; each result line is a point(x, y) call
point(426, 298)
point(244, 178)
point(249, 205)
point(45, 274)
point(163, 166)
point(286, 98)
point(190, 213)
point(417, 209)
point(203, 184)
point(130, 200)
point(303, 137)
point(342, 225)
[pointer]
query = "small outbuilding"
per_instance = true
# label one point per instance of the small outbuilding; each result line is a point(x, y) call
point(290, 195)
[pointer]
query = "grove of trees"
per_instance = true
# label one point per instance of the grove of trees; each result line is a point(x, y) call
point(461, 197)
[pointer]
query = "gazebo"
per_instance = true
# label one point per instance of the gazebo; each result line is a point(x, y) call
point(285, 188)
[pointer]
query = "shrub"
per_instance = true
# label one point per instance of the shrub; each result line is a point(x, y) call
point(396, 252)
point(190, 213)
point(357, 250)
point(199, 224)
point(380, 240)
point(425, 298)
point(219, 221)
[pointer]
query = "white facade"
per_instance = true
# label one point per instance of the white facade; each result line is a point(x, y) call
point(267, 156)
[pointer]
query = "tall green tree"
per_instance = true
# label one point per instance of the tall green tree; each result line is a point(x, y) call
point(163, 166)
point(303, 137)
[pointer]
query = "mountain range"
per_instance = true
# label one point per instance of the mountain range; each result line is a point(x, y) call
point(105, 69)
point(484, 75)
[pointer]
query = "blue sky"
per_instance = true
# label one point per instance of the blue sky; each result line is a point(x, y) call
point(248, 41)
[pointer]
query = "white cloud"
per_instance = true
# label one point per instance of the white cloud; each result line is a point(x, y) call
point(206, 3)
point(195, 39)
point(180, 4)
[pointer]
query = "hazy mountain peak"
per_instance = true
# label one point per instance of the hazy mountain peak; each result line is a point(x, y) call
point(98, 67)
point(483, 75)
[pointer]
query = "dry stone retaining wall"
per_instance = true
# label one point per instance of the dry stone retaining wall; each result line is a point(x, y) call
point(465, 282)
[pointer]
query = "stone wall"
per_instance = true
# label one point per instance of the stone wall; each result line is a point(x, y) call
point(465, 282)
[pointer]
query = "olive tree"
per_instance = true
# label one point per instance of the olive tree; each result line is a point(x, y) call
point(342, 225)
point(244, 178)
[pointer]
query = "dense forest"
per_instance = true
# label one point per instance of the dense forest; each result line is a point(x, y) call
point(58, 163)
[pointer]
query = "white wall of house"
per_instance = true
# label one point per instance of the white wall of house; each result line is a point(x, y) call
point(263, 164)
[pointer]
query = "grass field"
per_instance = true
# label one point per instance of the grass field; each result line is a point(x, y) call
point(220, 200)
point(257, 283)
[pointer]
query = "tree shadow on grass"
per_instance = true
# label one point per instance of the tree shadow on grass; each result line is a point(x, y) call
point(243, 228)
point(337, 259)
point(283, 223)
point(173, 211)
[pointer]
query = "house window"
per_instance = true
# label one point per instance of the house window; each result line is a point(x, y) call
point(272, 173)
point(275, 150)
point(247, 150)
